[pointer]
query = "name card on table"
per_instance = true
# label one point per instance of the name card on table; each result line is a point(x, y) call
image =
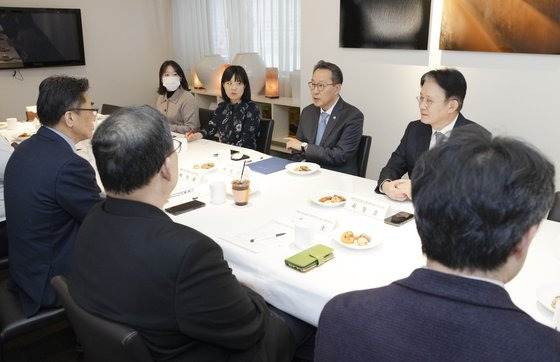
point(367, 207)
point(188, 179)
point(234, 171)
point(322, 224)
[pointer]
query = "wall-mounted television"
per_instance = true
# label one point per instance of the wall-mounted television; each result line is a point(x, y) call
point(39, 37)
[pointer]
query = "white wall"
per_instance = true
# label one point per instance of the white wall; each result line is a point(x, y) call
point(125, 43)
point(509, 94)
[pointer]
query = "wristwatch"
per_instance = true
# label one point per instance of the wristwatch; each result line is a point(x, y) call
point(304, 146)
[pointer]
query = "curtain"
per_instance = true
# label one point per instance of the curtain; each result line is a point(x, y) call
point(227, 27)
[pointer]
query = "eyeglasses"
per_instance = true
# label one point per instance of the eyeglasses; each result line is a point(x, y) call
point(93, 110)
point(427, 101)
point(176, 147)
point(320, 86)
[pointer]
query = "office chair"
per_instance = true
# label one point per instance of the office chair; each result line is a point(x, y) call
point(554, 213)
point(205, 115)
point(264, 139)
point(109, 108)
point(14, 323)
point(102, 339)
point(363, 155)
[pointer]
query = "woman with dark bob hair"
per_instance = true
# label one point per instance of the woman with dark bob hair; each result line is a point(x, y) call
point(237, 118)
point(174, 99)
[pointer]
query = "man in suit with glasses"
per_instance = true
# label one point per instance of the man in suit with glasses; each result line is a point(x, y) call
point(48, 190)
point(330, 129)
point(441, 98)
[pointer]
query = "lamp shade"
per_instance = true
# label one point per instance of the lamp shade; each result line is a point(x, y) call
point(196, 82)
point(254, 66)
point(209, 70)
point(271, 83)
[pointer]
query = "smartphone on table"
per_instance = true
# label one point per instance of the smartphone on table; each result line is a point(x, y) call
point(187, 206)
point(399, 218)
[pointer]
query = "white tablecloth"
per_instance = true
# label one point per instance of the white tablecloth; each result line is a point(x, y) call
point(304, 294)
point(278, 197)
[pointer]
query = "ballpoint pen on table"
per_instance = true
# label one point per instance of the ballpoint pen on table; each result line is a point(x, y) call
point(180, 193)
point(267, 237)
point(190, 132)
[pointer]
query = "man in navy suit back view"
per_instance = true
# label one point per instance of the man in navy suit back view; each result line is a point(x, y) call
point(478, 203)
point(48, 190)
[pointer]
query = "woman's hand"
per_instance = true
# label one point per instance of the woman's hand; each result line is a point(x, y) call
point(194, 136)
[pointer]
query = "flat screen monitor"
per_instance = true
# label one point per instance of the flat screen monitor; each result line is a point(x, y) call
point(39, 37)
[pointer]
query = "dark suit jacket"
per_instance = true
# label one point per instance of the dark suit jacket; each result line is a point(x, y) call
point(415, 142)
point(339, 146)
point(432, 316)
point(134, 265)
point(48, 190)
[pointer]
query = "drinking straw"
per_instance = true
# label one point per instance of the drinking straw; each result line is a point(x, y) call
point(242, 170)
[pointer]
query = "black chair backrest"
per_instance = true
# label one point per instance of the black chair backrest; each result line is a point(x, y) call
point(554, 213)
point(363, 155)
point(205, 115)
point(109, 108)
point(14, 323)
point(102, 340)
point(264, 139)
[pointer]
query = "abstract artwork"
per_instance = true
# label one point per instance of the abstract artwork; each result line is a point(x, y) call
point(517, 26)
point(392, 24)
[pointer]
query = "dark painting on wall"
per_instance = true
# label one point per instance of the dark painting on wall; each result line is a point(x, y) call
point(392, 24)
point(529, 26)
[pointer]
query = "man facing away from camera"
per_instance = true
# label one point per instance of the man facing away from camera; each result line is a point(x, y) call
point(478, 203)
point(135, 266)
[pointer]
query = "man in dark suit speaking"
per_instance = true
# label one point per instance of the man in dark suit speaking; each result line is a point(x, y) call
point(330, 129)
point(48, 191)
point(478, 204)
point(441, 98)
point(135, 266)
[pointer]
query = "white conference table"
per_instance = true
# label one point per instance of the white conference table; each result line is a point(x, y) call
point(304, 295)
point(275, 203)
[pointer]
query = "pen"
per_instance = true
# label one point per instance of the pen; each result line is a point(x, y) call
point(190, 132)
point(267, 237)
point(180, 193)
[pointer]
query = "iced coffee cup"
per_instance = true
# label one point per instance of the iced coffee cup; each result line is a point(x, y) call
point(31, 113)
point(240, 191)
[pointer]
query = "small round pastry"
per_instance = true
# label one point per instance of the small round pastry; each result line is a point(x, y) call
point(361, 241)
point(347, 237)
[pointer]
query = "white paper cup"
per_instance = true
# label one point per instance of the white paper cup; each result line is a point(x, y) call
point(12, 123)
point(217, 192)
point(304, 235)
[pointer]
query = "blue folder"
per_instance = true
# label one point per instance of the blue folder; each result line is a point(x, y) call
point(269, 165)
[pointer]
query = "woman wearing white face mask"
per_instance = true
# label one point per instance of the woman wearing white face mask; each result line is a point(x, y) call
point(174, 99)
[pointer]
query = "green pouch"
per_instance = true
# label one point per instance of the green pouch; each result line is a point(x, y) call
point(310, 258)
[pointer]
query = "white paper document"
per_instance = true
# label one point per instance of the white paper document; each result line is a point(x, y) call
point(262, 237)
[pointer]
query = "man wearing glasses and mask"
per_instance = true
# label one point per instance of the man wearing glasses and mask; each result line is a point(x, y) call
point(48, 190)
point(440, 101)
point(330, 129)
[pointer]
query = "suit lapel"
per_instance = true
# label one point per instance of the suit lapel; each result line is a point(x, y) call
point(333, 121)
point(460, 121)
point(424, 139)
point(313, 125)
